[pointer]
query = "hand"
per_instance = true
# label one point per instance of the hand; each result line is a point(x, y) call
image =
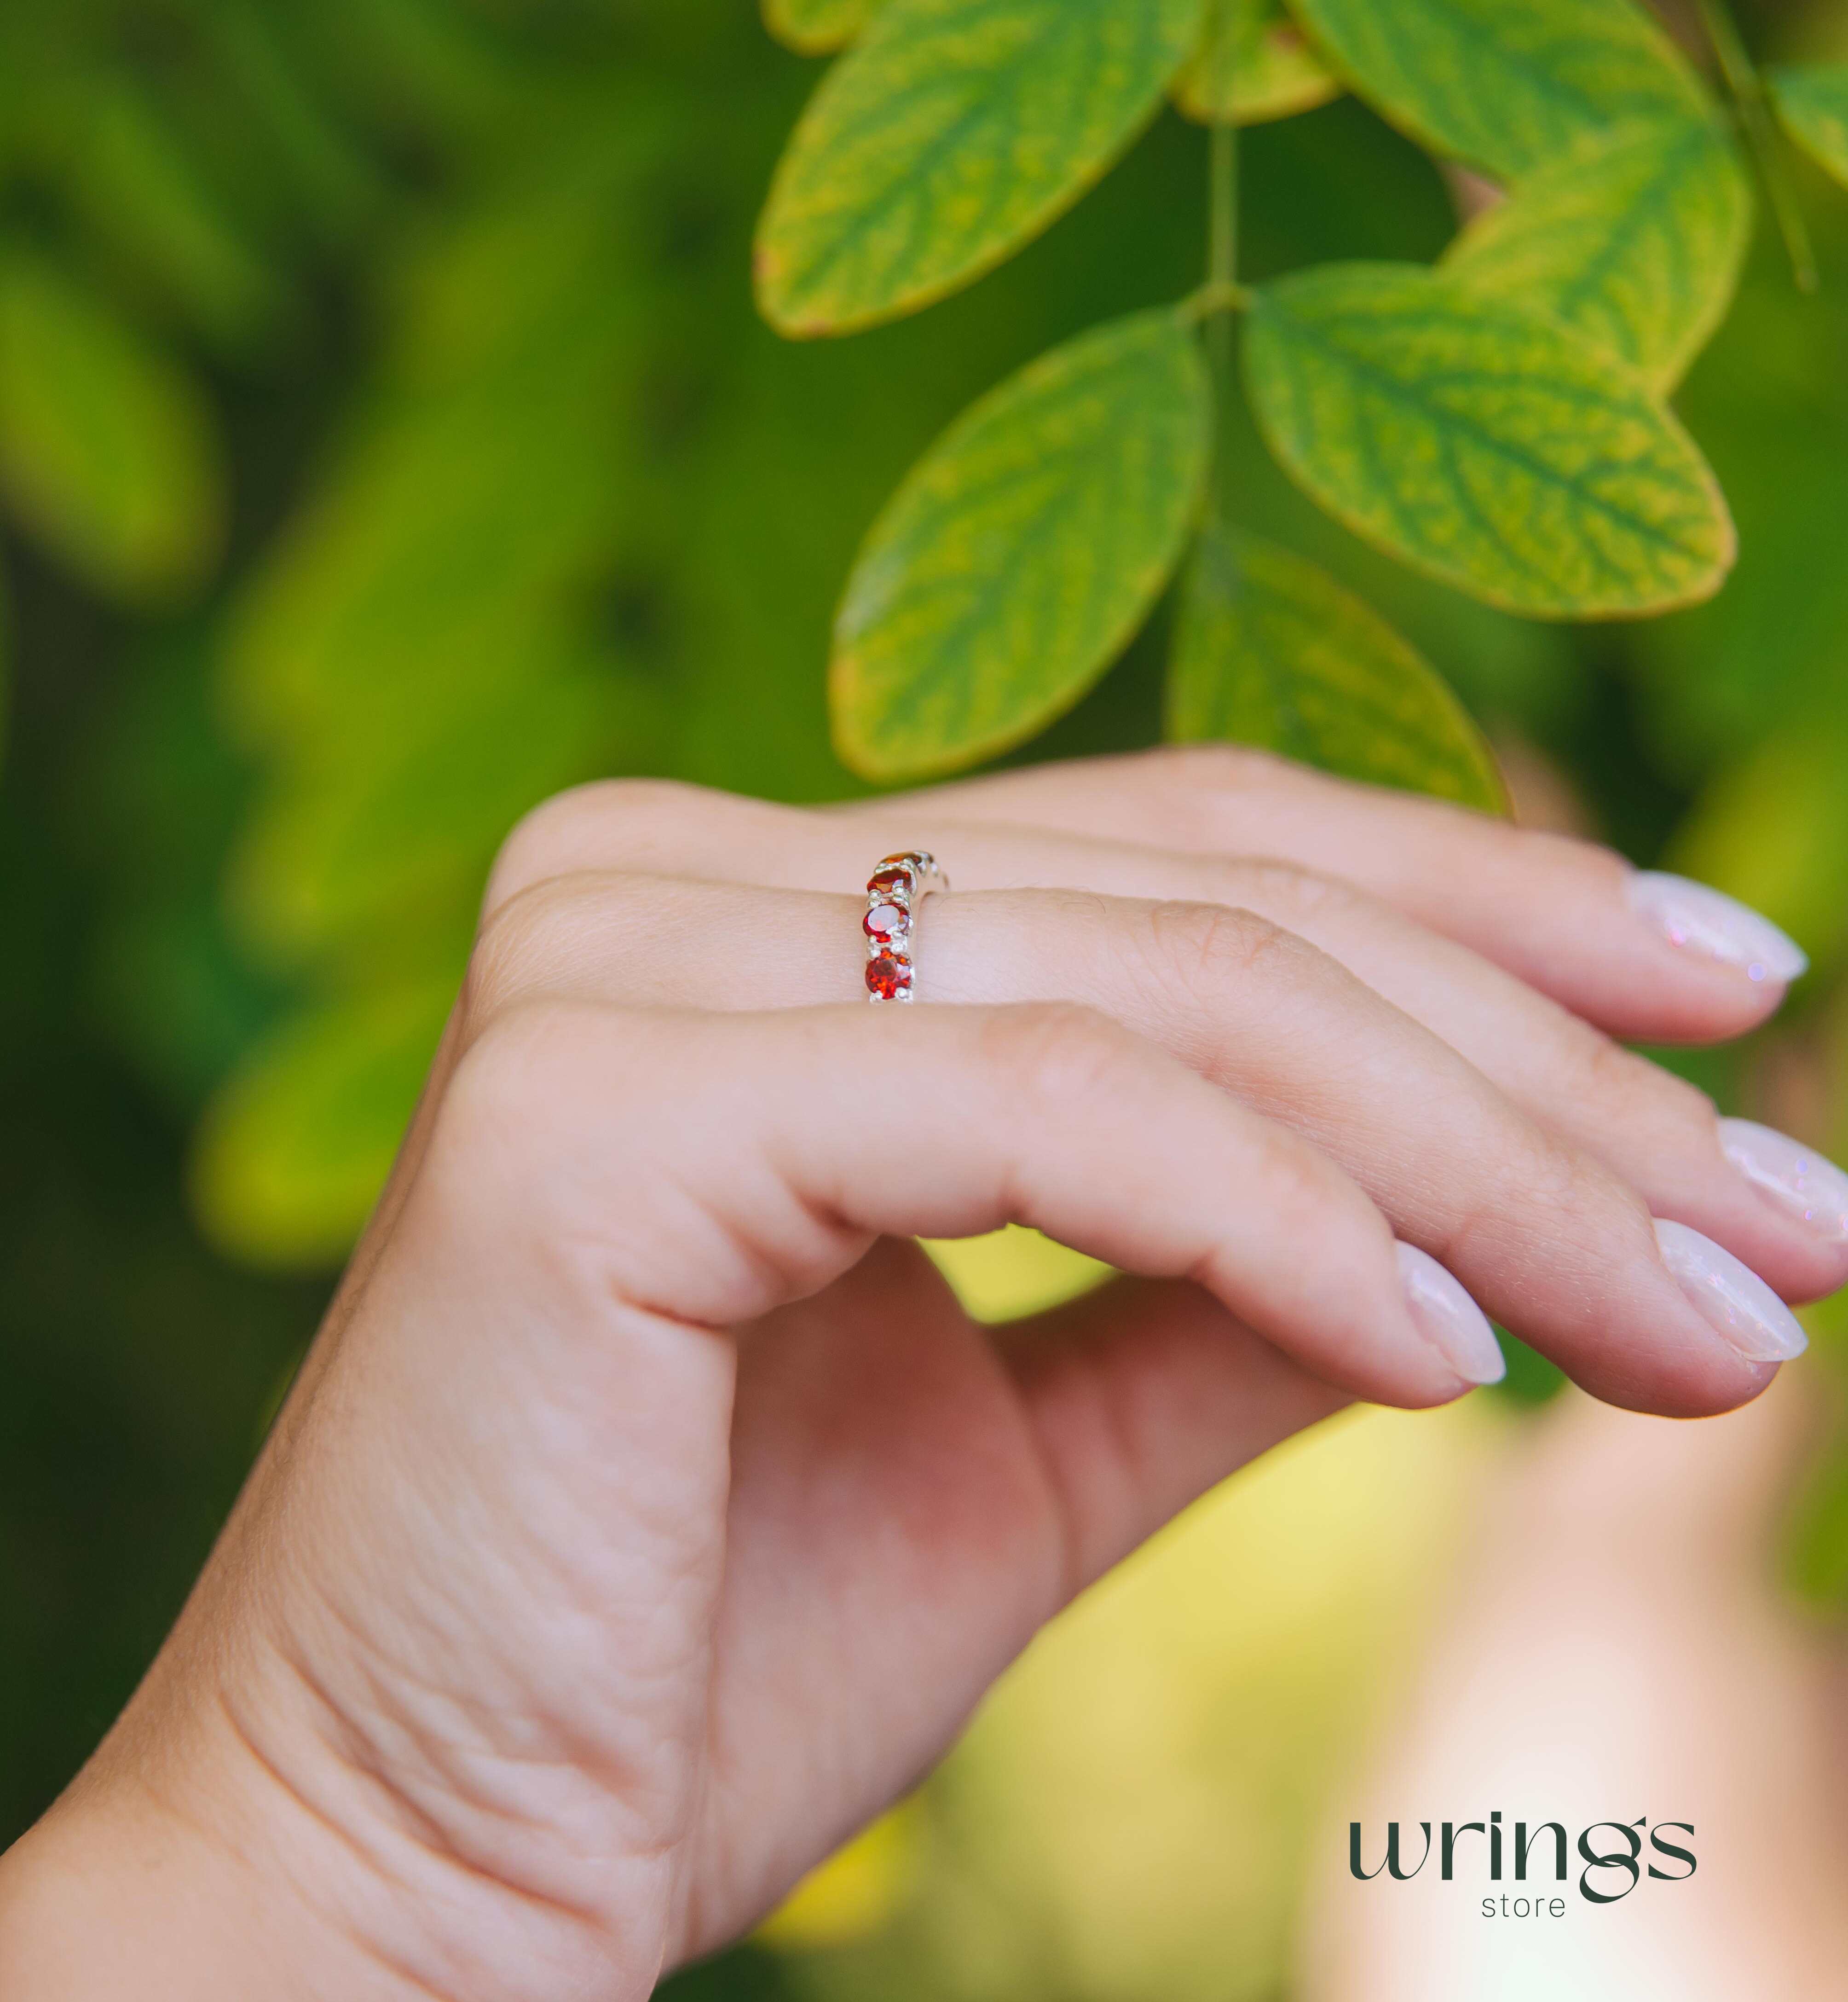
point(648, 1515)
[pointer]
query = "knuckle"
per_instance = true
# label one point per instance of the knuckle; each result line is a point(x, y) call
point(1202, 949)
point(1300, 895)
point(1060, 1054)
point(511, 1083)
point(542, 1078)
point(598, 824)
point(1647, 1099)
point(1551, 1194)
point(503, 950)
point(1304, 1188)
point(565, 933)
point(514, 941)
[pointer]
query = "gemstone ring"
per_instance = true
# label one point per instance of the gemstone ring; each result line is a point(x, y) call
point(897, 887)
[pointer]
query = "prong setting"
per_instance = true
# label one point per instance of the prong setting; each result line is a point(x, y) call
point(894, 890)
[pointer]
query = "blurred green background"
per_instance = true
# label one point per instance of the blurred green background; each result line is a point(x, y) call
point(387, 441)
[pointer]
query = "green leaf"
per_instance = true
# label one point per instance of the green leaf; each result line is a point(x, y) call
point(1635, 244)
point(1483, 444)
point(815, 27)
point(1022, 552)
point(1508, 86)
point(106, 450)
point(1271, 650)
point(1254, 63)
point(1812, 106)
point(953, 133)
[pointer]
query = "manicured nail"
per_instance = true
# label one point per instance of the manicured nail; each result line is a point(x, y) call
point(1793, 1177)
point(1730, 1297)
point(1454, 1325)
point(1708, 921)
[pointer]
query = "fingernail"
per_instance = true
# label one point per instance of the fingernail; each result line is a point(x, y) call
point(1708, 921)
point(1793, 1177)
point(1730, 1297)
point(1454, 1325)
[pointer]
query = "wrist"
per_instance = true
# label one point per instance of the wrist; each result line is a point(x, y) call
point(214, 1885)
point(123, 1892)
point(220, 1846)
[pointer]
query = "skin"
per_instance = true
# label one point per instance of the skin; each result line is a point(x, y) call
point(648, 1515)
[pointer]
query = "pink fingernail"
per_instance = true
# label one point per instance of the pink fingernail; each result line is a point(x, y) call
point(1454, 1325)
point(1708, 921)
point(1792, 1177)
point(1733, 1300)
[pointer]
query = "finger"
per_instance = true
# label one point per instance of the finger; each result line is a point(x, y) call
point(1546, 1238)
point(762, 1154)
point(1649, 957)
point(1654, 1131)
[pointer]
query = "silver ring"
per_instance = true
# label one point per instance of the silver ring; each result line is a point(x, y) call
point(897, 887)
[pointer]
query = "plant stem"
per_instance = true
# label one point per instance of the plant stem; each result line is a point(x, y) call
point(1749, 98)
point(1222, 289)
point(1222, 238)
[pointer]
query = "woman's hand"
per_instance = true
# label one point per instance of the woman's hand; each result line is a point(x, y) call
point(648, 1515)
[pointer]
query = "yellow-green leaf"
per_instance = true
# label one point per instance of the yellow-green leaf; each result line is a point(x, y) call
point(107, 453)
point(954, 131)
point(295, 1147)
point(1483, 444)
point(814, 27)
point(1271, 650)
point(1508, 86)
point(1022, 552)
point(1254, 63)
point(1812, 105)
point(1636, 244)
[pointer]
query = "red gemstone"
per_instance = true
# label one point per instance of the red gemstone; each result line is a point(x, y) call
point(887, 974)
point(887, 921)
point(890, 876)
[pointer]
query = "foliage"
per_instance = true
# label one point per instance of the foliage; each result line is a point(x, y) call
point(1497, 424)
point(106, 451)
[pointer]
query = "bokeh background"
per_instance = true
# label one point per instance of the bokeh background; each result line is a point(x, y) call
point(386, 440)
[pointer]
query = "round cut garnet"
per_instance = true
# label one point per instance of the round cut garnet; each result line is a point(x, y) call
point(891, 876)
point(887, 975)
point(887, 922)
